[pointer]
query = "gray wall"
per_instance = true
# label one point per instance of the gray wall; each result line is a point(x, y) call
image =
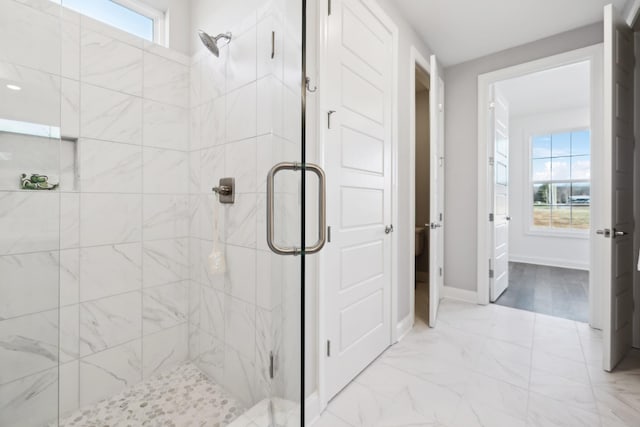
point(461, 125)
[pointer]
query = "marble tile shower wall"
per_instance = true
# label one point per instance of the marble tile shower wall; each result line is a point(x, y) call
point(245, 117)
point(116, 240)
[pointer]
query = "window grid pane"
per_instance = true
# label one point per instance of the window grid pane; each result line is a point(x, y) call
point(560, 172)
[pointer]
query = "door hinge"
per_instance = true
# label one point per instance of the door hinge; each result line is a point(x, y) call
point(491, 273)
point(490, 217)
point(441, 217)
point(440, 271)
point(328, 348)
point(329, 234)
point(440, 161)
point(491, 161)
point(272, 369)
point(329, 7)
point(329, 113)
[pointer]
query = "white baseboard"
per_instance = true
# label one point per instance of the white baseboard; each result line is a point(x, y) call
point(550, 262)
point(404, 326)
point(460, 294)
point(312, 408)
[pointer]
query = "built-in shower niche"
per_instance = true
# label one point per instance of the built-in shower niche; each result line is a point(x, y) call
point(36, 149)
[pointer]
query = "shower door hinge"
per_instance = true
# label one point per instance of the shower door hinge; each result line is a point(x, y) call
point(440, 271)
point(328, 348)
point(490, 270)
point(441, 217)
point(491, 161)
point(329, 234)
point(329, 7)
point(490, 217)
point(272, 369)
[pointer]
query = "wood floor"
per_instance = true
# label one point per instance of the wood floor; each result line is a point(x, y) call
point(559, 292)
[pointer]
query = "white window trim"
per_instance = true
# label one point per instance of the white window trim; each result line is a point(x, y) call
point(160, 30)
point(530, 229)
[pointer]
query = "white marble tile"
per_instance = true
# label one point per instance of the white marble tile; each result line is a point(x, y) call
point(239, 376)
point(111, 31)
point(241, 113)
point(557, 340)
point(166, 81)
point(70, 109)
point(69, 333)
point(164, 307)
point(497, 394)
point(39, 47)
point(37, 102)
point(29, 283)
point(211, 358)
point(165, 126)
point(212, 77)
point(208, 275)
point(111, 321)
point(110, 270)
point(544, 411)
point(505, 361)
point(569, 392)
point(292, 60)
point(23, 228)
point(212, 122)
point(69, 394)
point(69, 277)
point(240, 221)
point(165, 171)
point(165, 52)
point(110, 167)
point(617, 407)
point(271, 150)
point(195, 172)
point(195, 83)
point(164, 349)
point(240, 324)
point(561, 367)
point(165, 217)
point(474, 415)
point(70, 49)
point(241, 273)
point(292, 115)
point(327, 419)
point(69, 220)
point(359, 406)
point(270, 106)
point(270, 268)
point(165, 261)
point(28, 344)
point(241, 65)
point(31, 401)
point(110, 218)
point(110, 115)
point(106, 373)
point(240, 162)
point(212, 312)
point(212, 164)
point(110, 63)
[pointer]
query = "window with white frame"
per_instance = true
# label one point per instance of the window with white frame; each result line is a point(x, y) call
point(132, 16)
point(561, 181)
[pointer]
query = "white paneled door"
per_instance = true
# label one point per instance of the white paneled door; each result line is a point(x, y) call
point(617, 241)
point(357, 285)
point(436, 203)
point(499, 270)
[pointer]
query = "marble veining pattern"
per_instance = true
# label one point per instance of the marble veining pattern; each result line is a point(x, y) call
point(491, 366)
point(182, 396)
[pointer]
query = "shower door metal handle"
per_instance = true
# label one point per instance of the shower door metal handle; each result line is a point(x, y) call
point(322, 208)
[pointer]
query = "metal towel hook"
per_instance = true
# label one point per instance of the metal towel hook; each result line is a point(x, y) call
point(308, 85)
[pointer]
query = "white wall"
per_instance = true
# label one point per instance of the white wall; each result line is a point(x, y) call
point(461, 126)
point(559, 251)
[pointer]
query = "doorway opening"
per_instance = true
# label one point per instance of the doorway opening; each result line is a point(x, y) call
point(543, 129)
point(422, 194)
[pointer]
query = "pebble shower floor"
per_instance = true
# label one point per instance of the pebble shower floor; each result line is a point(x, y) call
point(180, 397)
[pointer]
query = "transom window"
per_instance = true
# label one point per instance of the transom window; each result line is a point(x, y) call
point(131, 16)
point(561, 180)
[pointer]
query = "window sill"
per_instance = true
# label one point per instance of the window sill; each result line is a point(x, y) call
point(581, 235)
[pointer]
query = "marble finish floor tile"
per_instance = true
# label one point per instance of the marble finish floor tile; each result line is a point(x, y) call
point(182, 396)
point(491, 366)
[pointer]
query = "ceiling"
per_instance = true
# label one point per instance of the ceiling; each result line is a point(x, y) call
point(461, 30)
point(546, 91)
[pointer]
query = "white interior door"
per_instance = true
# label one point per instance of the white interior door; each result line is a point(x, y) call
point(617, 241)
point(499, 272)
point(357, 271)
point(436, 232)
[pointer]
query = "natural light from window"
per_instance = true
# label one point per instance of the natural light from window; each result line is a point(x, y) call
point(561, 180)
point(113, 14)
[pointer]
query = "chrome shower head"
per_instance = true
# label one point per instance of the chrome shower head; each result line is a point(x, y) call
point(211, 43)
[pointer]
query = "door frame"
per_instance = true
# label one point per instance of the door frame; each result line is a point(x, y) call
point(322, 107)
point(593, 54)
